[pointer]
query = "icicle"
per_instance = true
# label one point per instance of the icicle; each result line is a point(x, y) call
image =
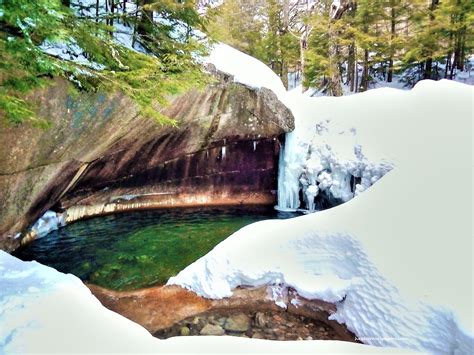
point(223, 152)
point(288, 176)
point(254, 146)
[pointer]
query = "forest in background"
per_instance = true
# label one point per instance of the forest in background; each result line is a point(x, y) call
point(147, 49)
point(350, 42)
point(151, 49)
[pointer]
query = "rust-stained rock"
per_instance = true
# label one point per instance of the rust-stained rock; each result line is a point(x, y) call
point(153, 308)
point(160, 308)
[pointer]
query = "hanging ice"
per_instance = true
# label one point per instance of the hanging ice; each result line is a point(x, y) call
point(323, 156)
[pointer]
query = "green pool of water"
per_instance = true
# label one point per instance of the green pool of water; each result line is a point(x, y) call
point(139, 249)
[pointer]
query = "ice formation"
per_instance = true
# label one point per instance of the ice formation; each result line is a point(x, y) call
point(47, 223)
point(329, 161)
point(322, 156)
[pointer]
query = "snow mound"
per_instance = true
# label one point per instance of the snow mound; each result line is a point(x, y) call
point(397, 259)
point(44, 311)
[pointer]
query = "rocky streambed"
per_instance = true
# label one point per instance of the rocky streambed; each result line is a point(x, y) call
point(168, 311)
point(271, 325)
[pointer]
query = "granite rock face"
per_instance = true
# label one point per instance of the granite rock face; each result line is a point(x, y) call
point(99, 156)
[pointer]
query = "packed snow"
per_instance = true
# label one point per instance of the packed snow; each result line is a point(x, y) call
point(397, 259)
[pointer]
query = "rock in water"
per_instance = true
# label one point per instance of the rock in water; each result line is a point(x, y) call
point(260, 320)
point(237, 323)
point(185, 331)
point(212, 329)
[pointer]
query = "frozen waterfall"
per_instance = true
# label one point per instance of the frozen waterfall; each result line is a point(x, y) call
point(322, 162)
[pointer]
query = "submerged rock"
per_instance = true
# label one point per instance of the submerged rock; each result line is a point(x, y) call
point(212, 329)
point(185, 331)
point(237, 323)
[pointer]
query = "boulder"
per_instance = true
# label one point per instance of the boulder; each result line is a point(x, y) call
point(212, 329)
point(237, 323)
point(100, 156)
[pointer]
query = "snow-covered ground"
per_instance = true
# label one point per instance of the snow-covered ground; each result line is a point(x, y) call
point(397, 259)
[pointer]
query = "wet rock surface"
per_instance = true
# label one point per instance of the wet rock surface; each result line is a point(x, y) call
point(271, 325)
point(168, 311)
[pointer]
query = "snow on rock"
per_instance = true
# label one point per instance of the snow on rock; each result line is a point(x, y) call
point(45, 311)
point(322, 155)
point(47, 223)
point(397, 260)
point(329, 151)
point(246, 69)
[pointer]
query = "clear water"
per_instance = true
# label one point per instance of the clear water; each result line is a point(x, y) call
point(139, 249)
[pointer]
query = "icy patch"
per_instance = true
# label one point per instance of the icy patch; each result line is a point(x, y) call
point(47, 223)
point(329, 152)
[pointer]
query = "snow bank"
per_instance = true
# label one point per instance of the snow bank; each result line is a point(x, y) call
point(397, 260)
point(45, 311)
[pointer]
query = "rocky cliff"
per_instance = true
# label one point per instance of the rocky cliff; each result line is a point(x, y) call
point(99, 156)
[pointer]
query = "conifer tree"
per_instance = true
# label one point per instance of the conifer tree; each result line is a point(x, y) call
point(165, 64)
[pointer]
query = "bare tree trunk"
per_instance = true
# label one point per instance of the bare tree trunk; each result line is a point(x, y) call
point(356, 74)
point(284, 61)
point(428, 68)
point(392, 37)
point(336, 12)
point(448, 64)
point(112, 10)
point(462, 57)
point(97, 11)
point(303, 47)
point(146, 18)
point(350, 67)
point(334, 85)
point(365, 74)
point(429, 61)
